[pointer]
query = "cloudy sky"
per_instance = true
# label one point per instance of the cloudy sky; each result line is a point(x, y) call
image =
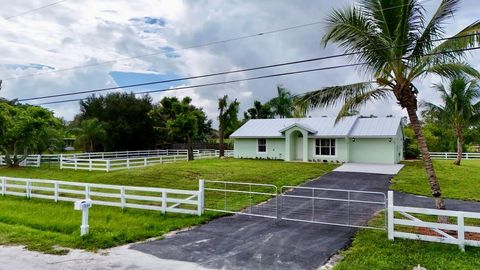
point(41, 49)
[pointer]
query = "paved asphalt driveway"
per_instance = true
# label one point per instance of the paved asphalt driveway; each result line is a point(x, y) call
point(244, 242)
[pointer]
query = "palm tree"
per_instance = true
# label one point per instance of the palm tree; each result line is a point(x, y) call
point(395, 45)
point(227, 119)
point(460, 108)
point(89, 133)
point(282, 104)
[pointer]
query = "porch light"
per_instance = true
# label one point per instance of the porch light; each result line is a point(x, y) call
point(353, 139)
point(390, 140)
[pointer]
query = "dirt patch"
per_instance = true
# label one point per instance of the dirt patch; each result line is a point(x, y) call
point(430, 232)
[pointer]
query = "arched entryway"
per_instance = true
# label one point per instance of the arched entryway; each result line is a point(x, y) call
point(296, 145)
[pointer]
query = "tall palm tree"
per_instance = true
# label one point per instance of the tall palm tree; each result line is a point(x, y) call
point(396, 45)
point(460, 108)
point(227, 119)
point(89, 133)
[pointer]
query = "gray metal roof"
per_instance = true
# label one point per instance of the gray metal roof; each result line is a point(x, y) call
point(351, 126)
point(375, 127)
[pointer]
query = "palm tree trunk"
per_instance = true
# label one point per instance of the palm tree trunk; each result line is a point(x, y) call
point(427, 161)
point(459, 146)
point(221, 135)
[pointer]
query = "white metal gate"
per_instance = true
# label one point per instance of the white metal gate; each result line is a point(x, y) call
point(231, 197)
point(340, 207)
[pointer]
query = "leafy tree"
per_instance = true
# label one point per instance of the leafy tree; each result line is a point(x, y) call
point(227, 119)
point(180, 121)
point(22, 129)
point(124, 117)
point(460, 108)
point(90, 134)
point(396, 45)
point(259, 111)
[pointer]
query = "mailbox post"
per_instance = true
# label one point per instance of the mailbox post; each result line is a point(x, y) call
point(83, 205)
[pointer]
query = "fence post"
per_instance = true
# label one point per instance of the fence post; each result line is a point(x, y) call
point(87, 192)
point(201, 196)
point(145, 161)
point(61, 161)
point(164, 201)
point(128, 163)
point(4, 185)
point(75, 164)
point(55, 192)
point(90, 165)
point(466, 155)
point(446, 155)
point(122, 197)
point(28, 189)
point(108, 165)
point(461, 231)
point(390, 225)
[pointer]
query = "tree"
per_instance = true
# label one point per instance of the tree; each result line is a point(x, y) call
point(282, 104)
point(460, 108)
point(227, 119)
point(125, 120)
point(259, 111)
point(180, 121)
point(22, 128)
point(90, 134)
point(396, 45)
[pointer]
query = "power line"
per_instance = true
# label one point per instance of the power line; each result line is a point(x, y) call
point(33, 10)
point(224, 73)
point(181, 49)
point(258, 77)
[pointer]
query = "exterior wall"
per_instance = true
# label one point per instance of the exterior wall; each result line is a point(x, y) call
point(341, 151)
point(372, 150)
point(399, 140)
point(247, 148)
point(291, 141)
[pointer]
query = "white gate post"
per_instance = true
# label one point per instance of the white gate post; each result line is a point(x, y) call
point(164, 202)
point(461, 231)
point(61, 161)
point(201, 196)
point(122, 197)
point(390, 225)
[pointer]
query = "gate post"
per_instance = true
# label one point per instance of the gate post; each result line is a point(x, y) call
point(390, 224)
point(201, 197)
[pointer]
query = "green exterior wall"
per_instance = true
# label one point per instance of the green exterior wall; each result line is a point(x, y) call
point(363, 150)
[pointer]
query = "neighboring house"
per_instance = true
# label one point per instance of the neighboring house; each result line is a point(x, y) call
point(352, 139)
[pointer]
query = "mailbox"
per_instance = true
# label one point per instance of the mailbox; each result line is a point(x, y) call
point(83, 205)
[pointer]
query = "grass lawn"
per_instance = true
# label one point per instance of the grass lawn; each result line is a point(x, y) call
point(43, 225)
point(457, 182)
point(371, 249)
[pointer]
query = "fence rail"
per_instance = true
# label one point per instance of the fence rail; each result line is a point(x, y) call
point(29, 161)
point(439, 232)
point(149, 198)
point(453, 155)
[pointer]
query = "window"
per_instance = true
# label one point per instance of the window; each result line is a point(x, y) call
point(262, 145)
point(325, 147)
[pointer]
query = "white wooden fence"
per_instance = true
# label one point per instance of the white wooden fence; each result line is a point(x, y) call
point(107, 165)
point(30, 161)
point(453, 155)
point(440, 232)
point(149, 198)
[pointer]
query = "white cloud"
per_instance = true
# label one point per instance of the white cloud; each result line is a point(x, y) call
point(76, 33)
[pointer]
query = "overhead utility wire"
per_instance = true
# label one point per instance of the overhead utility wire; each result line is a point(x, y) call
point(220, 73)
point(33, 10)
point(255, 78)
point(185, 48)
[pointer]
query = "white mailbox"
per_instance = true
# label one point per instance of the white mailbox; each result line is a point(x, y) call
point(83, 205)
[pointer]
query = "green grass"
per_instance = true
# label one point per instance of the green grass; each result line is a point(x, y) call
point(457, 182)
point(42, 224)
point(372, 250)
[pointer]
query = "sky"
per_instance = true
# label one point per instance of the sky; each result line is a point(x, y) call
point(40, 50)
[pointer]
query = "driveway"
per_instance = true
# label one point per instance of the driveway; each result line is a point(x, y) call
point(244, 242)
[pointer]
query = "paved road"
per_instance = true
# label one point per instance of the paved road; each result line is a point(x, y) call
point(403, 199)
point(242, 242)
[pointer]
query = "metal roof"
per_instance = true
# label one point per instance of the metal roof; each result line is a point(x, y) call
point(351, 126)
point(375, 127)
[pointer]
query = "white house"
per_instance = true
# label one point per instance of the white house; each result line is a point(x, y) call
point(352, 139)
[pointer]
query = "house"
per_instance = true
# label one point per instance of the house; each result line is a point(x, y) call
point(352, 139)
